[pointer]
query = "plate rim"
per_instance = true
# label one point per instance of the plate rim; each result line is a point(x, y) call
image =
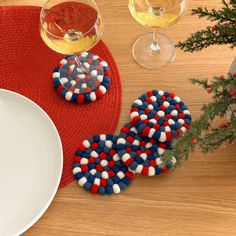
point(60, 157)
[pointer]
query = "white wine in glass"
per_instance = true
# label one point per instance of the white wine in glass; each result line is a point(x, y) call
point(155, 50)
point(71, 28)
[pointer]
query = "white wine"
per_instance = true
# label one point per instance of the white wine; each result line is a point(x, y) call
point(156, 13)
point(71, 27)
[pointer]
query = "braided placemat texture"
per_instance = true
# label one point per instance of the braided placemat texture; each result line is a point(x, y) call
point(26, 68)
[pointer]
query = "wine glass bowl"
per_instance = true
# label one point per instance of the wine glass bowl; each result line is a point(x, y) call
point(155, 50)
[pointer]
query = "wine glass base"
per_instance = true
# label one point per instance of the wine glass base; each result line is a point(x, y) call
point(153, 59)
point(82, 83)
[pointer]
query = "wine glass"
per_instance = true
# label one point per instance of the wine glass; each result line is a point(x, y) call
point(72, 27)
point(155, 50)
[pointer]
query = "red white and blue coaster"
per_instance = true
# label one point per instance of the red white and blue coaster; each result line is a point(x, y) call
point(79, 86)
point(160, 115)
point(98, 168)
point(142, 154)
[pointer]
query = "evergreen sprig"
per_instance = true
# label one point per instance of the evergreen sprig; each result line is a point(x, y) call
point(201, 133)
point(222, 32)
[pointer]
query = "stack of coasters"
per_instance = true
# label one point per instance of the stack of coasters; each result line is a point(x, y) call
point(142, 154)
point(106, 164)
point(80, 86)
point(98, 168)
point(160, 115)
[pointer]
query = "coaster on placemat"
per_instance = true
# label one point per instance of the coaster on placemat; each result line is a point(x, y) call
point(98, 168)
point(142, 154)
point(160, 115)
point(79, 86)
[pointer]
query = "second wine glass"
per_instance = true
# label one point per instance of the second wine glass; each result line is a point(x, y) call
point(155, 50)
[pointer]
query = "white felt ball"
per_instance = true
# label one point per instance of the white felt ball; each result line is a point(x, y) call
point(166, 104)
point(158, 161)
point(161, 93)
point(108, 143)
point(95, 57)
point(136, 142)
point(85, 64)
point(84, 54)
point(138, 101)
point(139, 169)
point(125, 157)
point(86, 143)
point(177, 99)
point(56, 75)
point(151, 132)
point(160, 151)
point(174, 113)
point(73, 82)
point(151, 171)
point(148, 145)
point(116, 188)
point(186, 112)
point(103, 63)
point(120, 174)
point(82, 181)
point(63, 61)
point(121, 141)
point(167, 128)
point(81, 76)
point(150, 107)
point(94, 72)
point(104, 163)
point(76, 170)
point(143, 156)
point(153, 98)
point(84, 161)
point(100, 78)
point(105, 175)
point(133, 129)
point(143, 117)
point(134, 114)
point(173, 160)
point(162, 137)
point(93, 96)
point(72, 67)
point(94, 154)
point(183, 129)
point(63, 80)
point(84, 85)
point(77, 90)
point(171, 122)
point(103, 137)
point(181, 121)
point(97, 181)
point(153, 121)
point(93, 172)
point(68, 96)
point(161, 113)
point(116, 157)
point(102, 89)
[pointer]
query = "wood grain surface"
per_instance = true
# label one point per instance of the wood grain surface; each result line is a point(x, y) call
point(199, 197)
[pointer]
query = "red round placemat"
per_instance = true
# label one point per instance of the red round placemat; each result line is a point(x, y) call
point(26, 67)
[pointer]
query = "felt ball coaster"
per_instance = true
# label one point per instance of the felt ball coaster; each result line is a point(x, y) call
point(142, 154)
point(160, 115)
point(98, 168)
point(82, 86)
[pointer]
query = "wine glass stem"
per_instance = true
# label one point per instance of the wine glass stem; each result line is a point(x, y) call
point(155, 46)
point(80, 66)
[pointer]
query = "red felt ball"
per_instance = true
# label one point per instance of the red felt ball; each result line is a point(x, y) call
point(111, 173)
point(99, 168)
point(69, 72)
point(94, 146)
point(172, 95)
point(98, 94)
point(214, 27)
point(91, 160)
point(168, 116)
point(130, 139)
point(138, 152)
point(144, 171)
point(84, 168)
point(80, 99)
point(156, 126)
point(181, 116)
point(148, 151)
point(77, 159)
point(124, 130)
point(130, 175)
point(148, 100)
point(164, 169)
point(209, 89)
point(112, 152)
point(111, 163)
point(163, 98)
point(142, 143)
point(94, 189)
point(129, 162)
point(146, 121)
point(162, 107)
point(177, 106)
point(147, 111)
point(169, 136)
point(145, 131)
point(165, 123)
point(162, 145)
point(133, 109)
point(152, 163)
point(59, 89)
point(128, 149)
point(179, 133)
point(103, 156)
point(107, 73)
point(90, 61)
point(156, 117)
point(222, 77)
point(150, 93)
point(81, 147)
point(103, 182)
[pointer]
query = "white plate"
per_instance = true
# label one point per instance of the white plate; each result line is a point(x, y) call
point(31, 160)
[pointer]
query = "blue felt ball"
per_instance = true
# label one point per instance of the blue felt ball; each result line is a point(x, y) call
point(122, 185)
point(91, 178)
point(109, 190)
point(78, 175)
point(87, 186)
point(158, 170)
point(101, 190)
point(134, 165)
point(126, 180)
point(115, 179)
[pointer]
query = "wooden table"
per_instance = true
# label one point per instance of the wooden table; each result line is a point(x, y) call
point(199, 197)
